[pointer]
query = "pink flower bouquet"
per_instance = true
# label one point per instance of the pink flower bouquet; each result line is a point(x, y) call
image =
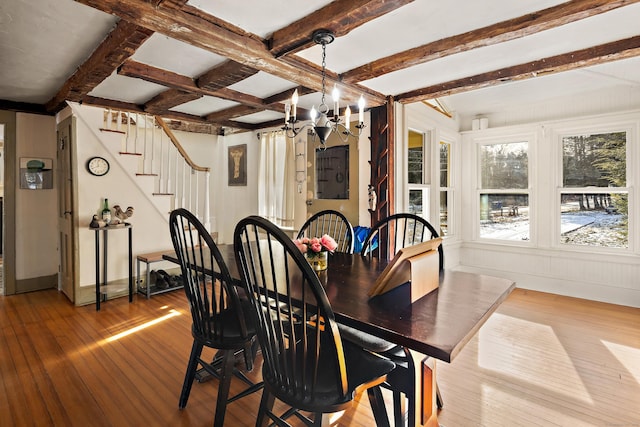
point(316, 245)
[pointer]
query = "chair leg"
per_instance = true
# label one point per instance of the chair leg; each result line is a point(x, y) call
point(377, 406)
point(398, 415)
point(196, 350)
point(439, 400)
point(228, 363)
point(266, 405)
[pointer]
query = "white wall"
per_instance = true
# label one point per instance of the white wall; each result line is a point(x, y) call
point(37, 210)
point(231, 204)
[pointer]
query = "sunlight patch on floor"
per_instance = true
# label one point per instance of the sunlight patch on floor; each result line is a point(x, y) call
point(629, 357)
point(500, 351)
point(170, 314)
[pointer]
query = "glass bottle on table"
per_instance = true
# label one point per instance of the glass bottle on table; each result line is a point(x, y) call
point(106, 212)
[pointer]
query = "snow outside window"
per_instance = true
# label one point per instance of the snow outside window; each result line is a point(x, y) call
point(594, 197)
point(504, 191)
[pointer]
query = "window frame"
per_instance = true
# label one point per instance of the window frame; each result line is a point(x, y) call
point(501, 139)
point(603, 127)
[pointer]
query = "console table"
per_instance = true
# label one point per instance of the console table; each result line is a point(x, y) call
point(105, 232)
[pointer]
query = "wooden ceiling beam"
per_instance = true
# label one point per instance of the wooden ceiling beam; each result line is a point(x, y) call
point(203, 33)
point(178, 81)
point(607, 52)
point(225, 74)
point(169, 99)
point(340, 17)
point(500, 32)
point(231, 113)
point(120, 44)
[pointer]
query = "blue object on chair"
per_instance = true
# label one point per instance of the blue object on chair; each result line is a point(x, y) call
point(360, 234)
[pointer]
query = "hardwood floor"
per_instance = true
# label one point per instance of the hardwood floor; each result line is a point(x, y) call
point(541, 360)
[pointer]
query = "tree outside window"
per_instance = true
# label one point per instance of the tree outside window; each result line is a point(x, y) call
point(504, 194)
point(594, 197)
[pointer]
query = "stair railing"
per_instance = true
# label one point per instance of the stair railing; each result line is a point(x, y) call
point(162, 156)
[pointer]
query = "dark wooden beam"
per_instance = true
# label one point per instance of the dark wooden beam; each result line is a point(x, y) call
point(119, 45)
point(607, 52)
point(177, 81)
point(24, 107)
point(231, 113)
point(225, 74)
point(162, 102)
point(202, 33)
point(110, 103)
point(340, 17)
point(193, 127)
point(511, 29)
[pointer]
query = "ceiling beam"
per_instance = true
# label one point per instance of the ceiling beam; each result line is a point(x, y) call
point(119, 45)
point(225, 74)
point(340, 17)
point(162, 102)
point(178, 81)
point(500, 32)
point(203, 33)
point(603, 53)
point(231, 113)
point(23, 107)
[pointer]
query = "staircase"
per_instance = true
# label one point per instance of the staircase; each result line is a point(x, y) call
point(163, 169)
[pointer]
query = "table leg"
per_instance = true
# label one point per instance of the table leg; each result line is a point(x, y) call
point(426, 410)
point(97, 240)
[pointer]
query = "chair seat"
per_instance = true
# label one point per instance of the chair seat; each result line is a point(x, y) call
point(364, 370)
point(364, 340)
point(228, 329)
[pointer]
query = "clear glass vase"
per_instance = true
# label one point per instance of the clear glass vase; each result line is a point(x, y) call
point(318, 260)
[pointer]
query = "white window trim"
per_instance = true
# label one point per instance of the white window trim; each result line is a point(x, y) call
point(507, 138)
point(603, 125)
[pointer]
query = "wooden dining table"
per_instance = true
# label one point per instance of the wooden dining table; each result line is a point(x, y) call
point(436, 326)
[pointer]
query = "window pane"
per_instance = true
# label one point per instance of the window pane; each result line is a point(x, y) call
point(445, 149)
point(594, 220)
point(504, 166)
point(504, 216)
point(415, 165)
point(594, 160)
point(444, 213)
point(415, 202)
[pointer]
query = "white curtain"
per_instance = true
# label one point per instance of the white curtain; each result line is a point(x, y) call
point(276, 178)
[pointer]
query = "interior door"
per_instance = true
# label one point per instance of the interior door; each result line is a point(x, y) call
point(65, 207)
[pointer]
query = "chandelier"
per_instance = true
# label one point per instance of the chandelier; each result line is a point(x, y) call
point(321, 124)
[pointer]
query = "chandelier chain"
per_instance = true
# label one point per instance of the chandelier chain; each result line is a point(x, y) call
point(324, 66)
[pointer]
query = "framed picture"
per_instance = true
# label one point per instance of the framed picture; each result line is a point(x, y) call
point(36, 173)
point(237, 165)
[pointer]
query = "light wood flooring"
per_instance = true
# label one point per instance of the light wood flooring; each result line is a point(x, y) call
point(540, 360)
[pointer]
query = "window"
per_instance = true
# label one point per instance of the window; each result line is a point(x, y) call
point(418, 174)
point(446, 192)
point(504, 191)
point(424, 166)
point(594, 196)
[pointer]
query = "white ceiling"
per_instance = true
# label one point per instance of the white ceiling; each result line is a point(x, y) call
point(42, 42)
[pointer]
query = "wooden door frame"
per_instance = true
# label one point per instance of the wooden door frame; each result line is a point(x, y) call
point(8, 118)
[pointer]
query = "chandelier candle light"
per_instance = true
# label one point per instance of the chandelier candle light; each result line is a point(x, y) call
point(316, 250)
point(321, 124)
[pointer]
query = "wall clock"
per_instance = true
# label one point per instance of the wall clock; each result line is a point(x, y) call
point(98, 166)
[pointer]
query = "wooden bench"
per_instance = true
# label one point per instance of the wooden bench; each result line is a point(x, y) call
point(148, 259)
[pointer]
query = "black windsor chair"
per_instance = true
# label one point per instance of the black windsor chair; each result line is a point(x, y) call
point(306, 364)
point(383, 241)
point(217, 312)
point(333, 223)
